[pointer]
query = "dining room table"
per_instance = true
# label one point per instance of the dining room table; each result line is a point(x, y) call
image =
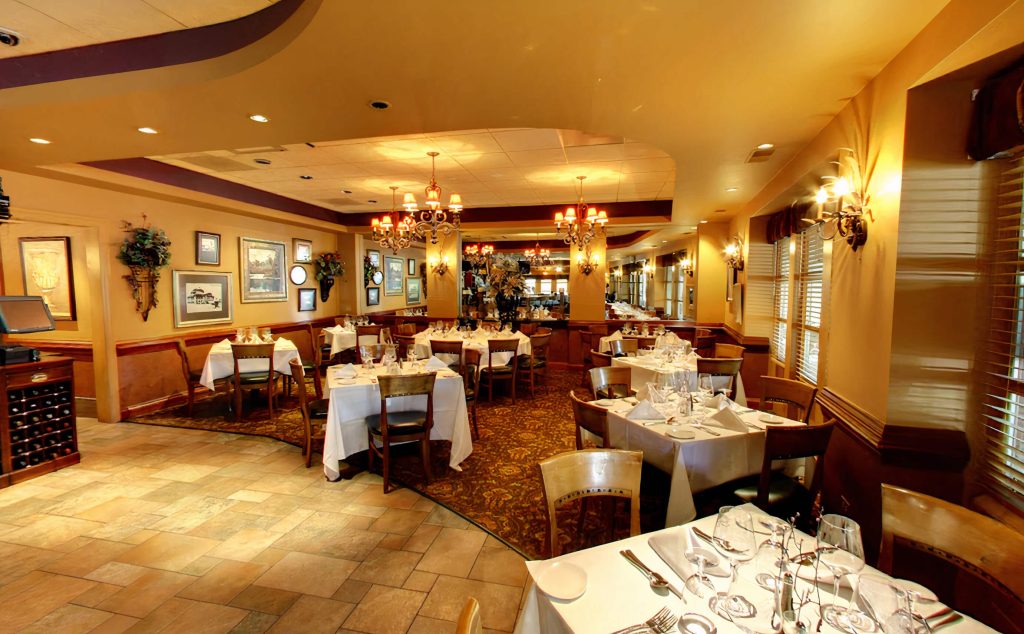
point(599, 590)
point(475, 340)
point(220, 363)
point(340, 338)
point(653, 368)
point(696, 454)
point(352, 398)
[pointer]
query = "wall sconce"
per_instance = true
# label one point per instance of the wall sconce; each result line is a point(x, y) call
point(649, 269)
point(439, 267)
point(618, 273)
point(586, 264)
point(734, 253)
point(687, 266)
point(848, 205)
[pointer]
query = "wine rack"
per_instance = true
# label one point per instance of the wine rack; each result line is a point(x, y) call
point(37, 431)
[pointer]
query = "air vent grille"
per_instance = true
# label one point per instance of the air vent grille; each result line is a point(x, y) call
point(760, 156)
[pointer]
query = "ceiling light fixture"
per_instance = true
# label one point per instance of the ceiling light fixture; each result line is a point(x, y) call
point(537, 256)
point(732, 189)
point(306, 177)
point(579, 225)
point(258, 118)
point(262, 161)
point(147, 130)
point(703, 222)
point(766, 146)
point(392, 230)
point(39, 141)
point(433, 219)
point(478, 254)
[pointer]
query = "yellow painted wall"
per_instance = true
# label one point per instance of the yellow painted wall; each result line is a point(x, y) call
point(710, 273)
point(387, 302)
point(586, 292)
point(443, 300)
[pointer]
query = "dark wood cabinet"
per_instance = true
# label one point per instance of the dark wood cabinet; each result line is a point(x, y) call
point(37, 419)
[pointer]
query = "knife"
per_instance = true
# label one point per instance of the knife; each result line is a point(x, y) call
point(633, 559)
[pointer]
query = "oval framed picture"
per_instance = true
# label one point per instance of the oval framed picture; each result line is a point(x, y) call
point(378, 277)
point(298, 275)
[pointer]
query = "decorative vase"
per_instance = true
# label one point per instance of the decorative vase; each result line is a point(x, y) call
point(506, 307)
point(325, 287)
point(143, 282)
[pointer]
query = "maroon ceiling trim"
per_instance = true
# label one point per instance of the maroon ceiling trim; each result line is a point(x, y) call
point(632, 209)
point(148, 51)
point(509, 246)
point(195, 181)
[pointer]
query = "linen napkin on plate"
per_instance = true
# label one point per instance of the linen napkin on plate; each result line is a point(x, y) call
point(433, 363)
point(718, 401)
point(615, 336)
point(644, 411)
point(729, 420)
point(347, 371)
point(667, 545)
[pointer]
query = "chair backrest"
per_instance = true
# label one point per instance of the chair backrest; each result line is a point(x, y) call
point(186, 370)
point(469, 619)
point(440, 346)
point(253, 351)
point(303, 340)
point(600, 359)
point(610, 382)
point(295, 365)
point(539, 345)
point(528, 328)
point(601, 330)
point(404, 343)
point(589, 472)
point(373, 351)
point(397, 385)
point(719, 367)
point(786, 443)
point(788, 392)
point(368, 334)
point(623, 347)
point(407, 329)
point(544, 330)
point(645, 342)
point(729, 351)
point(592, 418)
point(503, 345)
point(471, 367)
point(975, 543)
point(704, 345)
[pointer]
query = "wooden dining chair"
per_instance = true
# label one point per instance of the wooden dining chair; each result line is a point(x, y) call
point(253, 379)
point(528, 328)
point(990, 552)
point(341, 320)
point(644, 343)
point(611, 382)
point(535, 363)
point(405, 343)
point(190, 373)
point(587, 473)
point(721, 368)
point(314, 413)
point(373, 351)
point(728, 351)
point(591, 419)
point(452, 351)
point(626, 347)
point(775, 390)
point(407, 329)
point(507, 372)
point(471, 381)
point(704, 345)
point(469, 618)
point(544, 330)
point(309, 353)
point(368, 334)
point(385, 335)
point(386, 428)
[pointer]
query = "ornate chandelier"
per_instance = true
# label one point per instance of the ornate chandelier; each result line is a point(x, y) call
point(434, 219)
point(392, 230)
point(580, 224)
point(537, 256)
point(478, 254)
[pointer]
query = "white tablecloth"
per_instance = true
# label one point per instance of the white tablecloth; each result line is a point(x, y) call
point(695, 465)
point(350, 404)
point(340, 339)
point(643, 372)
point(477, 342)
point(220, 363)
point(617, 595)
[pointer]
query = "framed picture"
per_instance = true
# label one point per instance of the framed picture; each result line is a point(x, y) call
point(307, 299)
point(394, 275)
point(374, 258)
point(303, 250)
point(46, 270)
point(201, 297)
point(263, 270)
point(410, 266)
point(372, 296)
point(412, 290)
point(297, 274)
point(207, 248)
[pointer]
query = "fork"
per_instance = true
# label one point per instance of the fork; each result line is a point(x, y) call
point(661, 623)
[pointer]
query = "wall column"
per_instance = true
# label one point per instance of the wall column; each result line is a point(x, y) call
point(710, 272)
point(586, 292)
point(444, 291)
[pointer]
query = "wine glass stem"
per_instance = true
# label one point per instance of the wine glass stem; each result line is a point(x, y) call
point(837, 577)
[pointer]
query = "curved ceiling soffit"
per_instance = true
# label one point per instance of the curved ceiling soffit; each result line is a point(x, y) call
point(173, 48)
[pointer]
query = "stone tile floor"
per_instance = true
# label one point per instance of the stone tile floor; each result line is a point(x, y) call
point(174, 530)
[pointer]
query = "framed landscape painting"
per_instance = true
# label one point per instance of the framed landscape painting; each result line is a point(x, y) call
point(201, 298)
point(307, 299)
point(46, 267)
point(412, 290)
point(303, 250)
point(263, 270)
point(394, 275)
point(372, 296)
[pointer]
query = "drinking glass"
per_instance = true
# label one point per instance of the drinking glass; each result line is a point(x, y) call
point(265, 335)
point(734, 540)
point(841, 551)
point(769, 562)
point(705, 386)
point(699, 581)
point(876, 605)
point(239, 335)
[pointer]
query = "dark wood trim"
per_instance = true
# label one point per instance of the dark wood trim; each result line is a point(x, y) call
point(169, 342)
point(150, 407)
point(77, 350)
point(864, 426)
point(924, 448)
point(656, 210)
point(758, 344)
point(150, 51)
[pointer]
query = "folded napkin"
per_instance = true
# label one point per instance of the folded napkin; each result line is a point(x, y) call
point(347, 371)
point(615, 336)
point(334, 329)
point(433, 363)
point(650, 392)
point(718, 401)
point(667, 545)
point(644, 411)
point(729, 420)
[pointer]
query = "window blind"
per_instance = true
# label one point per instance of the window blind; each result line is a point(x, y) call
point(807, 321)
point(780, 310)
point(1003, 414)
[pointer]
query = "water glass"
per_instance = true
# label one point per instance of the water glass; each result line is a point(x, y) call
point(239, 335)
point(734, 540)
point(841, 550)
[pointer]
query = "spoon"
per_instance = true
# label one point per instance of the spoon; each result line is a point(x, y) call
point(657, 581)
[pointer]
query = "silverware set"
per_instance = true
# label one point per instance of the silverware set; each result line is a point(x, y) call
point(662, 622)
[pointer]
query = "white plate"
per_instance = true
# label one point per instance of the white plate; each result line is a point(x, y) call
point(562, 580)
point(682, 434)
point(771, 419)
point(346, 381)
point(604, 402)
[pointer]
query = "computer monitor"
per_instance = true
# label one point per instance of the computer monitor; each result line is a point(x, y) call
point(24, 314)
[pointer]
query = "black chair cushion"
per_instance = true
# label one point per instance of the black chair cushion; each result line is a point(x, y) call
point(399, 423)
point(318, 408)
point(252, 378)
point(613, 391)
point(781, 489)
point(498, 369)
point(195, 375)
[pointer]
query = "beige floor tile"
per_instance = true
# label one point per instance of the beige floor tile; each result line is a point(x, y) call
point(308, 574)
point(110, 510)
point(96, 595)
point(426, 625)
point(68, 619)
point(385, 610)
point(248, 495)
point(223, 582)
point(400, 499)
point(85, 559)
point(146, 593)
point(311, 615)
point(226, 523)
point(443, 517)
point(399, 521)
point(255, 623)
point(386, 567)
point(421, 540)
point(453, 552)
point(125, 528)
point(352, 591)
point(245, 544)
point(116, 624)
point(288, 485)
point(170, 492)
point(191, 515)
point(117, 573)
point(267, 600)
point(291, 520)
point(168, 551)
point(499, 604)
point(277, 505)
point(17, 561)
point(499, 565)
point(188, 617)
point(393, 542)
point(50, 532)
point(24, 608)
point(328, 534)
point(420, 581)
point(184, 472)
point(201, 566)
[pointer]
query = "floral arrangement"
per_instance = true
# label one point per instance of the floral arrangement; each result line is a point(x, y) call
point(329, 265)
point(504, 279)
point(144, 247)
point(368, 270)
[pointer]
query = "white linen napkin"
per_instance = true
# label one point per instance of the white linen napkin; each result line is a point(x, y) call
point(644, 411)
point(226, 343)
point(729, 420)
point(667, 545)
point(615, 336)
point(714, 402)
point(347, 371)
point(433, 363)
point(650, 392)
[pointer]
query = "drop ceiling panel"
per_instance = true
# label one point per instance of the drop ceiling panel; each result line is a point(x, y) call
point(528, 139)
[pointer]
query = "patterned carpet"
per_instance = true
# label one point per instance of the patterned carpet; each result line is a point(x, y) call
point(499, 488)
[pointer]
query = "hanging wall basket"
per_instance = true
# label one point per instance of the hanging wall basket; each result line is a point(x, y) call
point(144, 252)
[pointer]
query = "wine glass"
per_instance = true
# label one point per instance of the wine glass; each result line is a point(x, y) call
point(734, 540)
point(911, 621)
point(841, 551)
point(699, 581)
point(876, 606)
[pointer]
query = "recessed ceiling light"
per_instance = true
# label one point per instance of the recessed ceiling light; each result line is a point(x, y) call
point(262, 161)
point(766, 146)
point(732, 189)
point(346, 191)
point(147, 130)
point(258, 118)
point(36, 139)
point(703, 222)
point(372, 202)
point(380, 104)
point(664, 241)
point(306, 177)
